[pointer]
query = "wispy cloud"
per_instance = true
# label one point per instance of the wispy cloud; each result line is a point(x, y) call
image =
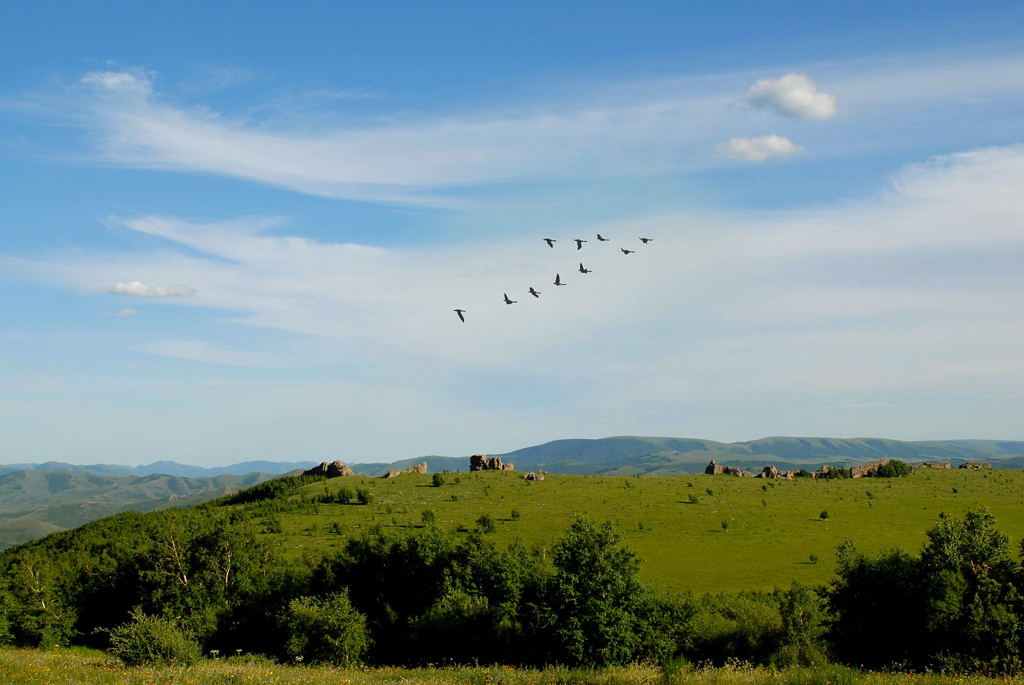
point(140, 289)
point(793, 95)
point(122, 313)
point(758, 149)
point(714, 292)
point(199, 351)
point(632, 128)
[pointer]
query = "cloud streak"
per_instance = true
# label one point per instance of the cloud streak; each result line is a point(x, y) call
point(758, 149)
point(140, 289)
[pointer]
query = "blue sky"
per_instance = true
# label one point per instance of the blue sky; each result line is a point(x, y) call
point(238, 230)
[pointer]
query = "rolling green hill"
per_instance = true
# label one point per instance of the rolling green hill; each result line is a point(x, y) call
point(773, 526)
point(674, 523)
point(34, 503)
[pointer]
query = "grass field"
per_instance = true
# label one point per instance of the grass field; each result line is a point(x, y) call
point(66, 666)
point(773, 527)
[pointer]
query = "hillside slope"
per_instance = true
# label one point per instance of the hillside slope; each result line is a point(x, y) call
point(34, 503)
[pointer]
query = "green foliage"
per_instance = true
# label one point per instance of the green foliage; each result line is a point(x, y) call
point(892, 469)
point(823, 515)
point(437, 480)
point(40, 612)
point(804, 624)
point(595, 603)
point(364, 496)
point(146, 640)
point(515, 515)
point(271, 489)
point(955, 607)
point(428, 516)
point(485, 524)
point(743, 627)
point(325, 630)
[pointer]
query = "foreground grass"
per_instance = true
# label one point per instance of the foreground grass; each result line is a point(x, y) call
point(87, 666)
point(771, 529)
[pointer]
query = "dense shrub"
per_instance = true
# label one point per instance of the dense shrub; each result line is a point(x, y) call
point(325, 630)
point(153, 640)
point(892, 469)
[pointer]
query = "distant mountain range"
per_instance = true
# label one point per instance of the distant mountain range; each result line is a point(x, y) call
point(166, 468)
point(36, 499)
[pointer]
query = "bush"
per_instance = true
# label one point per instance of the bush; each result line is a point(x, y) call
point(428, 517)
point(325, 630)
point(364, 496)
point(485, 523)
point(892, 469)
point(437, 480)
point(153, 640)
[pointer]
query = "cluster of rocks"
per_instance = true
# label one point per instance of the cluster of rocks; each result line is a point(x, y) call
point(769, 471)
point(862, 470)
point(772, 472)
point(415, 468)
point(975, 465)
point(539, 475)
point(481, 462)
point(332, 470)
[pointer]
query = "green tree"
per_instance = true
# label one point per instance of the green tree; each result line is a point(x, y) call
point(596, 596)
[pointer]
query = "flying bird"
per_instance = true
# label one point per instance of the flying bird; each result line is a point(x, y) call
point(550, 241)
point(535, 293)
point(583, 269)
point(579, 243)
point(601, 238)
point(625, 251)
point(646, 240)
point(508, 301)
point(460, 312)
point(558, 280)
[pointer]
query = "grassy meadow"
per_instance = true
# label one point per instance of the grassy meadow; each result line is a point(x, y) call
point(77, 665)
point(770, 531)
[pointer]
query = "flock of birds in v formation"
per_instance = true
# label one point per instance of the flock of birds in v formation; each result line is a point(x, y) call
point(558, 277)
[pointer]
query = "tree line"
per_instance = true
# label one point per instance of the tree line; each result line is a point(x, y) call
point(175, 585)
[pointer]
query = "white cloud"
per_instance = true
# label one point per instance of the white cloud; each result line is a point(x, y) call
point(123, 313)
point(792, 95)
point(140, 289)
point(757, 149)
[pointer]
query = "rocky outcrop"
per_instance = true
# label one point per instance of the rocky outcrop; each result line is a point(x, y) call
point(772, 471)
point(715, 469)
point(867, 470)
point(332, 470)
point(975, 465)
point(935, 465)
point(416, 468)
point(481, 462)
point(539, 475)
